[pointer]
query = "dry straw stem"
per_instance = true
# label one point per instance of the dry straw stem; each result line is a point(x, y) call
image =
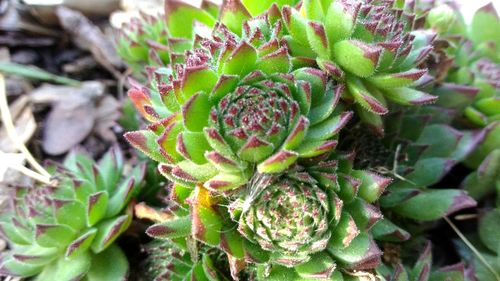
point(41, 174)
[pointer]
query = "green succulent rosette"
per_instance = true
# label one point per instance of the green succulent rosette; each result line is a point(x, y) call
point(160, 40)
point(310, 222)
point(234, 108)
point(368, 45)
point(66, 231)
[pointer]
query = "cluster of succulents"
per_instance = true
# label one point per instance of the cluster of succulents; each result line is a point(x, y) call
point(246, 125)
point(298, 140)
point(66, 231)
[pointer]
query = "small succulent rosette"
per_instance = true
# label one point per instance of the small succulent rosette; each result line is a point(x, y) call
point(159, 40)
point(234, 109)
point(309, 222)
point(66, 231)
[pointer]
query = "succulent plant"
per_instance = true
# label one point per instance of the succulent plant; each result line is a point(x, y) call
point(167, 261)
point(486, 179)
point(235, 109)
point(488, 246)
point(66, 231)
point(368, 45)
point(309, 222)
point(484, 184)
point(422, 270)
point(158, 40)
point(418, 151)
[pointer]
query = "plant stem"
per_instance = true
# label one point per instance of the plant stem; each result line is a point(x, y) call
point(11, 132)
point(473, 249)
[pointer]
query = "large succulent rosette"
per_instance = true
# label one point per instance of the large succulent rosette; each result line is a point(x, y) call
point(66, 231)
point(234, 108)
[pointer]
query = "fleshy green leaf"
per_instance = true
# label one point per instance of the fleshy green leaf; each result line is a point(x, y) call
point(175, 228)
point(108, 231)
point(53, 235)
point(97, 205)
point(357, 57)
point(100, 269)
point(438, 203)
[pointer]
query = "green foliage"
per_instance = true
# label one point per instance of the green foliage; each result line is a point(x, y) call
point(66, 231)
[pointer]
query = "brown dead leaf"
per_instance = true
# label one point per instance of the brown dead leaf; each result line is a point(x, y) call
point(89, 37)
point(143, 211)
point(107, 112)
point(72, 117)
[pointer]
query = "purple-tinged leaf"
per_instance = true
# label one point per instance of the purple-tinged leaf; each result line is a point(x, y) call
point(195, 112)
point(385, 230)
point(364, 214)
point(276, 62)
point(241, 61)
point(81, 244)
point(255, 150)
point(120, 198)
point(71, 213)
point(225, 85)
point(167, 143)
point(297, 134)
point(362, 253)
point(372, 185)
point(318, 39)
point(321, 112)
point(97, 205)
point(108, 231)
point(340, 20)
point(278, 162)
point(233, 14)
point(225, 182)
point(53, 235)
point(193, 146)
point(320, 266)
point(357, 57)
point(145, 141)
point(409, 96)
point(397, 80)
point(206, 222)
point(197, 79)
point(318, 81)
point(331, 68)
point(330, 127)
point(296, 25)
point(365, 99)
point(174, 228)
point(344, 232)
point(438, 203)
